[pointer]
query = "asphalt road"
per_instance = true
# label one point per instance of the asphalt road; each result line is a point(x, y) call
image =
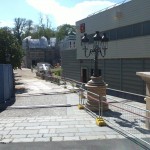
point(112, 144)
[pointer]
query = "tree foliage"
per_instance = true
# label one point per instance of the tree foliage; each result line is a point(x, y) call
point(10, 49)
point(28, 28)
point(20, 24)
point(24, 27)
point(42, 31)
point(63, 30)
point(43, 28)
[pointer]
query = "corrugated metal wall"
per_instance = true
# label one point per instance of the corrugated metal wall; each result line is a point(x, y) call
point(128, 41)
point(111, 73)
point(121, 74)
point(118, 73)
point(70, 65)
point(131, 82)
point(6, 86)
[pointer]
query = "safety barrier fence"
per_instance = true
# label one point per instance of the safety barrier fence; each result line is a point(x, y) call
point(129, 117)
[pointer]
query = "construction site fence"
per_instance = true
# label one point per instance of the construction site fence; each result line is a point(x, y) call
point(129, 117)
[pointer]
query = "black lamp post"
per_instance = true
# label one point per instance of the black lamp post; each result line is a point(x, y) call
point(96, 84)
point(100, 45)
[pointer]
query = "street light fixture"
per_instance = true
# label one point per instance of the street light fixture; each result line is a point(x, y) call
point(96, 84)
point(100, 45)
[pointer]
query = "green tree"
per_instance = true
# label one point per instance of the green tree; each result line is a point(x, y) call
point(44, 27)
point(29, 27)
point(39, 31)
point(10, 49)
point(20, 24)
point(63, 30)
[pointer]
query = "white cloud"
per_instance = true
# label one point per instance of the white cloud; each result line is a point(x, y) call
point(6, 23)
point(62, 14)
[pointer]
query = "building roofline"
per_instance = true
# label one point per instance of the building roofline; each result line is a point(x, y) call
point(107, 8)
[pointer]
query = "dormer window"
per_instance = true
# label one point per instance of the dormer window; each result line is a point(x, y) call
point(70, 44)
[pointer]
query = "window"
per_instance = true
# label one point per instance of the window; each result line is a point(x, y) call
point(124, 32)
point(130, 31)
point(74, 44)
point(70, 44)
point(137, 29)
point(112, 34)
point(146, 28)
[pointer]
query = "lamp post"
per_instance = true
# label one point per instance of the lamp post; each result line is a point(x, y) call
point(96, 84)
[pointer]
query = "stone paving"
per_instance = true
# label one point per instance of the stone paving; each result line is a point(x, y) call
point(68, 124)
point(75, 125)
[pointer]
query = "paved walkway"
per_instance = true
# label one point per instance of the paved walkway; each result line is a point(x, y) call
point(61, 120)
point(75, 125)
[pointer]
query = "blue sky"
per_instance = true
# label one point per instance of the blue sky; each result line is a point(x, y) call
point(58, 11)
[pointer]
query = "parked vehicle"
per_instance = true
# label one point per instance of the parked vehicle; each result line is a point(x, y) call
point(43, 69)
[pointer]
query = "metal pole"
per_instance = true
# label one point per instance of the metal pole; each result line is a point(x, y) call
point(96, 73)
point(99, 107)
point(79, 95)
point(82, 94)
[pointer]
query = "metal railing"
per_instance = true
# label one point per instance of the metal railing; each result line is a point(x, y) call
point(125, 115)
point(129, 118)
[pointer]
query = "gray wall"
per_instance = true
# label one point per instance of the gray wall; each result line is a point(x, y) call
point(6, 85)
point(121, 74)
point(135, 11)
point(131, 12)
point(70, 65)
point(118, 73)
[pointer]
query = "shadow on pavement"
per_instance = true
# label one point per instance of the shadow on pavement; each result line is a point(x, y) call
point(5, 104)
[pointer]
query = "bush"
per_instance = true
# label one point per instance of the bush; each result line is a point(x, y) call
point(57, 71)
